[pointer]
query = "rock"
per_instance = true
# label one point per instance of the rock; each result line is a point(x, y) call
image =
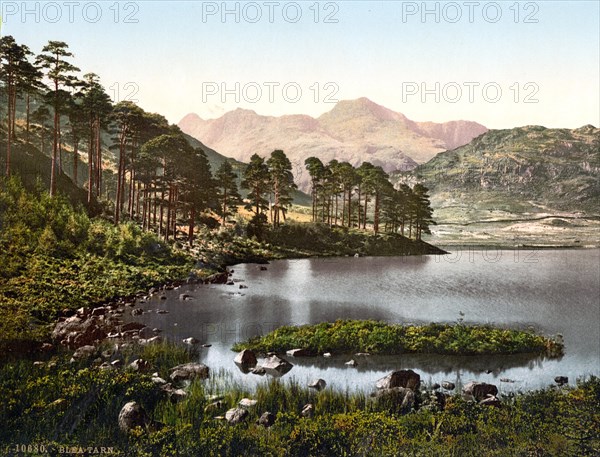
point(154, 339)
point(183, 296)
point(300, 353)
point(402, 395)
point(106, 366)
point(101, 311)
point(163, 297)
point(401, 378)
point(318, 384)
point(206, 345)
point(132, 415)
point(276, 366)
point(191, 341)
point(263, 268)
point(308, 410)
point(362, 354)
point(118, 363)
point(75, 332)
point(84, 352)
point(230, 283)
point(158, 380)
point(448, 385)
point(479, 390)
point(131, 326)
point(46, 347)
point(39, 364)
point(266, 419)
point(243, 286)
point(247, 402)
point(162, 311)
point(152, 291)
point(189, 371)
point(217, 278)
point(351, 363)
point(561, 380)
point(245, 358)
point(140, 365)
point(508, 380)
point(236, 415)
point(259, 371)
point(146, 333)
point(177, 395)
point(491, 400)
point(435, 386)
point(327, 354)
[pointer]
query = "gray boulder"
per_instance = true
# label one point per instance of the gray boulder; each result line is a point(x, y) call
point(84, 352)
point(300, 353)
point(479, 390)
point(401, 378)
point(189, 371)
point(245, 358)
point(236, 415)
point(276, 366)
point(448, 385)
point(266, 419)
point(132, 415)
point(318, 384)
point(308, 410)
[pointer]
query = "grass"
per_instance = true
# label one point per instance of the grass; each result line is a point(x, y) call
point(63, 404)
point(347, 336)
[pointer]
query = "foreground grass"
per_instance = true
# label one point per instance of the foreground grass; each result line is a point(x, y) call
point(347, 336)
point(61, 404)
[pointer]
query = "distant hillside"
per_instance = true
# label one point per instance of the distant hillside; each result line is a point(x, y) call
point(354, 131)
point(538, 183)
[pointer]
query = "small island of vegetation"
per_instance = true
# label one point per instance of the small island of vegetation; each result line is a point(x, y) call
point(346, 336)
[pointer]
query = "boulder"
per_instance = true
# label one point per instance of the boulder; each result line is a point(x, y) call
point(183, 296)
point(479, 390)
point(236, 415)
point(75, 332)
point(132, 415)
point(318, 384)
point(276, 366)
point(247, 402)
point(490, 400)
point(84, 352)
point(308, 410)
point(214, 407)
point(561, 380)
point(351, 363)
point(246, 358)
point(217, 278)
point(448, 385)
point(300, 353)
point(259, 371)
point(401, 378)
point(101, 311)
point(177, 395)
point(327, 354)
point(140, 365)
point(191, 341)
point(162, 311)
point(189, 371)
point(266, 419)
point(137, 312)
point(131, 326)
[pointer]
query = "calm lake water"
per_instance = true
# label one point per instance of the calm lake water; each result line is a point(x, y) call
point(553, 291)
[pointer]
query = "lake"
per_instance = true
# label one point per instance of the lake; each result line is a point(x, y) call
point(552, 291)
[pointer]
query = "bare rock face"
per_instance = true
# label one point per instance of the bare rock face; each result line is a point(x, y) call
point(276, 366)
point(236, 415)
point(132, 415)
point(189, 371)
point(480, 390)
point(401, 378)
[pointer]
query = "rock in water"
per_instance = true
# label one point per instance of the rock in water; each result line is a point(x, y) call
point(276, 366)
point(191, 341)
point(236, 415)
point(400, 378)
point(448, 385)
point(561, 380)
point(351, 363)
point(132, 415)
point(318, 384)
point(299, 353)
point(246, 358)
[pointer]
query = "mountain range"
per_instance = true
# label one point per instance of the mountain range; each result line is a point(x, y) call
point(354, 131)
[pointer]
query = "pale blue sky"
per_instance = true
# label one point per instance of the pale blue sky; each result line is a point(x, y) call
point(376, 50)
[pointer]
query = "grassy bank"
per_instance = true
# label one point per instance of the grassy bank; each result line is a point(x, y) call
point(54, 257)
point(61, 404)
point(347, 336)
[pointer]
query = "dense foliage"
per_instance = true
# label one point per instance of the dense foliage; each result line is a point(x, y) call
point(53, 256)
point(381, 338)
point(76, 404)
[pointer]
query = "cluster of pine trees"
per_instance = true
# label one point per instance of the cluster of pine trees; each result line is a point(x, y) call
point(343, 194)
point(156, 177)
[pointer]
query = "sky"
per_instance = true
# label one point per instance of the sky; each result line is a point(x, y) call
point(502, 64)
